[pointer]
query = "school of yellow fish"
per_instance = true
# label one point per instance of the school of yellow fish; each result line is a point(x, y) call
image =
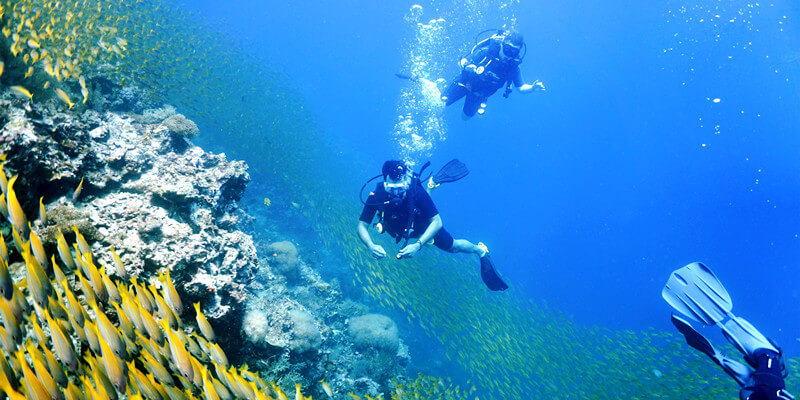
point(425, 387)
point(74, 330)
point(53, 44)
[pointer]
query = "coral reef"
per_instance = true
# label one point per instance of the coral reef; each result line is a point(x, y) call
point(161, 203)
point(179, 125)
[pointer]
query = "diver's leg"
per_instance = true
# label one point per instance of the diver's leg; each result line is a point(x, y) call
point(445, 241)
point(465, 246)
point(471, 105)
point(454, 91)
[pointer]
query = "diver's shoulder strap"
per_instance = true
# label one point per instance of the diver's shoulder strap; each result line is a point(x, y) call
point(412, 211)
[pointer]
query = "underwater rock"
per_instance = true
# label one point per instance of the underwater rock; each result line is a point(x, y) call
point(305, 334)
point(255, 326)
point(283, 324)
point(283, 259)
point(375, 331)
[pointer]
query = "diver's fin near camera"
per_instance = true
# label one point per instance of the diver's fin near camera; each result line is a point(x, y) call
point(733, 368)
point(695, 292)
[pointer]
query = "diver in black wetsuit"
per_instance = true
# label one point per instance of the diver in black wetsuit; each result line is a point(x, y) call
point(695, 292)
point(405, 211)
point(492, 64)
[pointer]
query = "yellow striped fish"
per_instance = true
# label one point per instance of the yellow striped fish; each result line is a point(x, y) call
point(22, 92)
point(14, 208)
point(65, 98)
point(203, 324)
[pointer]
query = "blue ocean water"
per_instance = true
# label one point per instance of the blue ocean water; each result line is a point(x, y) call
point(668, 134)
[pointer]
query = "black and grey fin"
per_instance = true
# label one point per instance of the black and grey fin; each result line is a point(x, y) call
point(489, 275)
point(695, 292)
point(735, 369)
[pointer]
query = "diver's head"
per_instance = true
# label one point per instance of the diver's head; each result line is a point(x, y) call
point(396, 177)
point(512, 44)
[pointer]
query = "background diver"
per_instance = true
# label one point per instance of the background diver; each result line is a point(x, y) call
point(405, 211)
point(695, 292)
point(491, 64)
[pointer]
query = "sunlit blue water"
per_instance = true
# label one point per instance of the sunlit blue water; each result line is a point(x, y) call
point(625, 169)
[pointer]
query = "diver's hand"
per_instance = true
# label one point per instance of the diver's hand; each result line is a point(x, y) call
point(377, 251)
point(536, 86)
point(410, 250)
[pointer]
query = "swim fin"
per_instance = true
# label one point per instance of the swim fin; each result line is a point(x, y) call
point(696, 292)
point(450, 172)
point(490, 276)
point(735, 369)
point(694, 338)
point(411, 78)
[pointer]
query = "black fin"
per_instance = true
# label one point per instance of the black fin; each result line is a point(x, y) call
point(694, 338)
point(490, 276)
point(451, 172)
point(411, 78)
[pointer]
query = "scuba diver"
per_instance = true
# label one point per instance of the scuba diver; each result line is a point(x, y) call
point(491, 64)
point(405, 211)
point(695, 292)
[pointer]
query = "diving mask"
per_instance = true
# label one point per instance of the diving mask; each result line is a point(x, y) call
point(509, 50)
point(396, 188)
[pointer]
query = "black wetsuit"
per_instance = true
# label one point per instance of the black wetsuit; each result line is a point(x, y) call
point(396, 217)
point(478, 87)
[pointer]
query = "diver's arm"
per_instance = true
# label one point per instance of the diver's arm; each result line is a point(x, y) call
point(430, 232)
point(523, 87)
point(433, 229)
point(363, 234)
